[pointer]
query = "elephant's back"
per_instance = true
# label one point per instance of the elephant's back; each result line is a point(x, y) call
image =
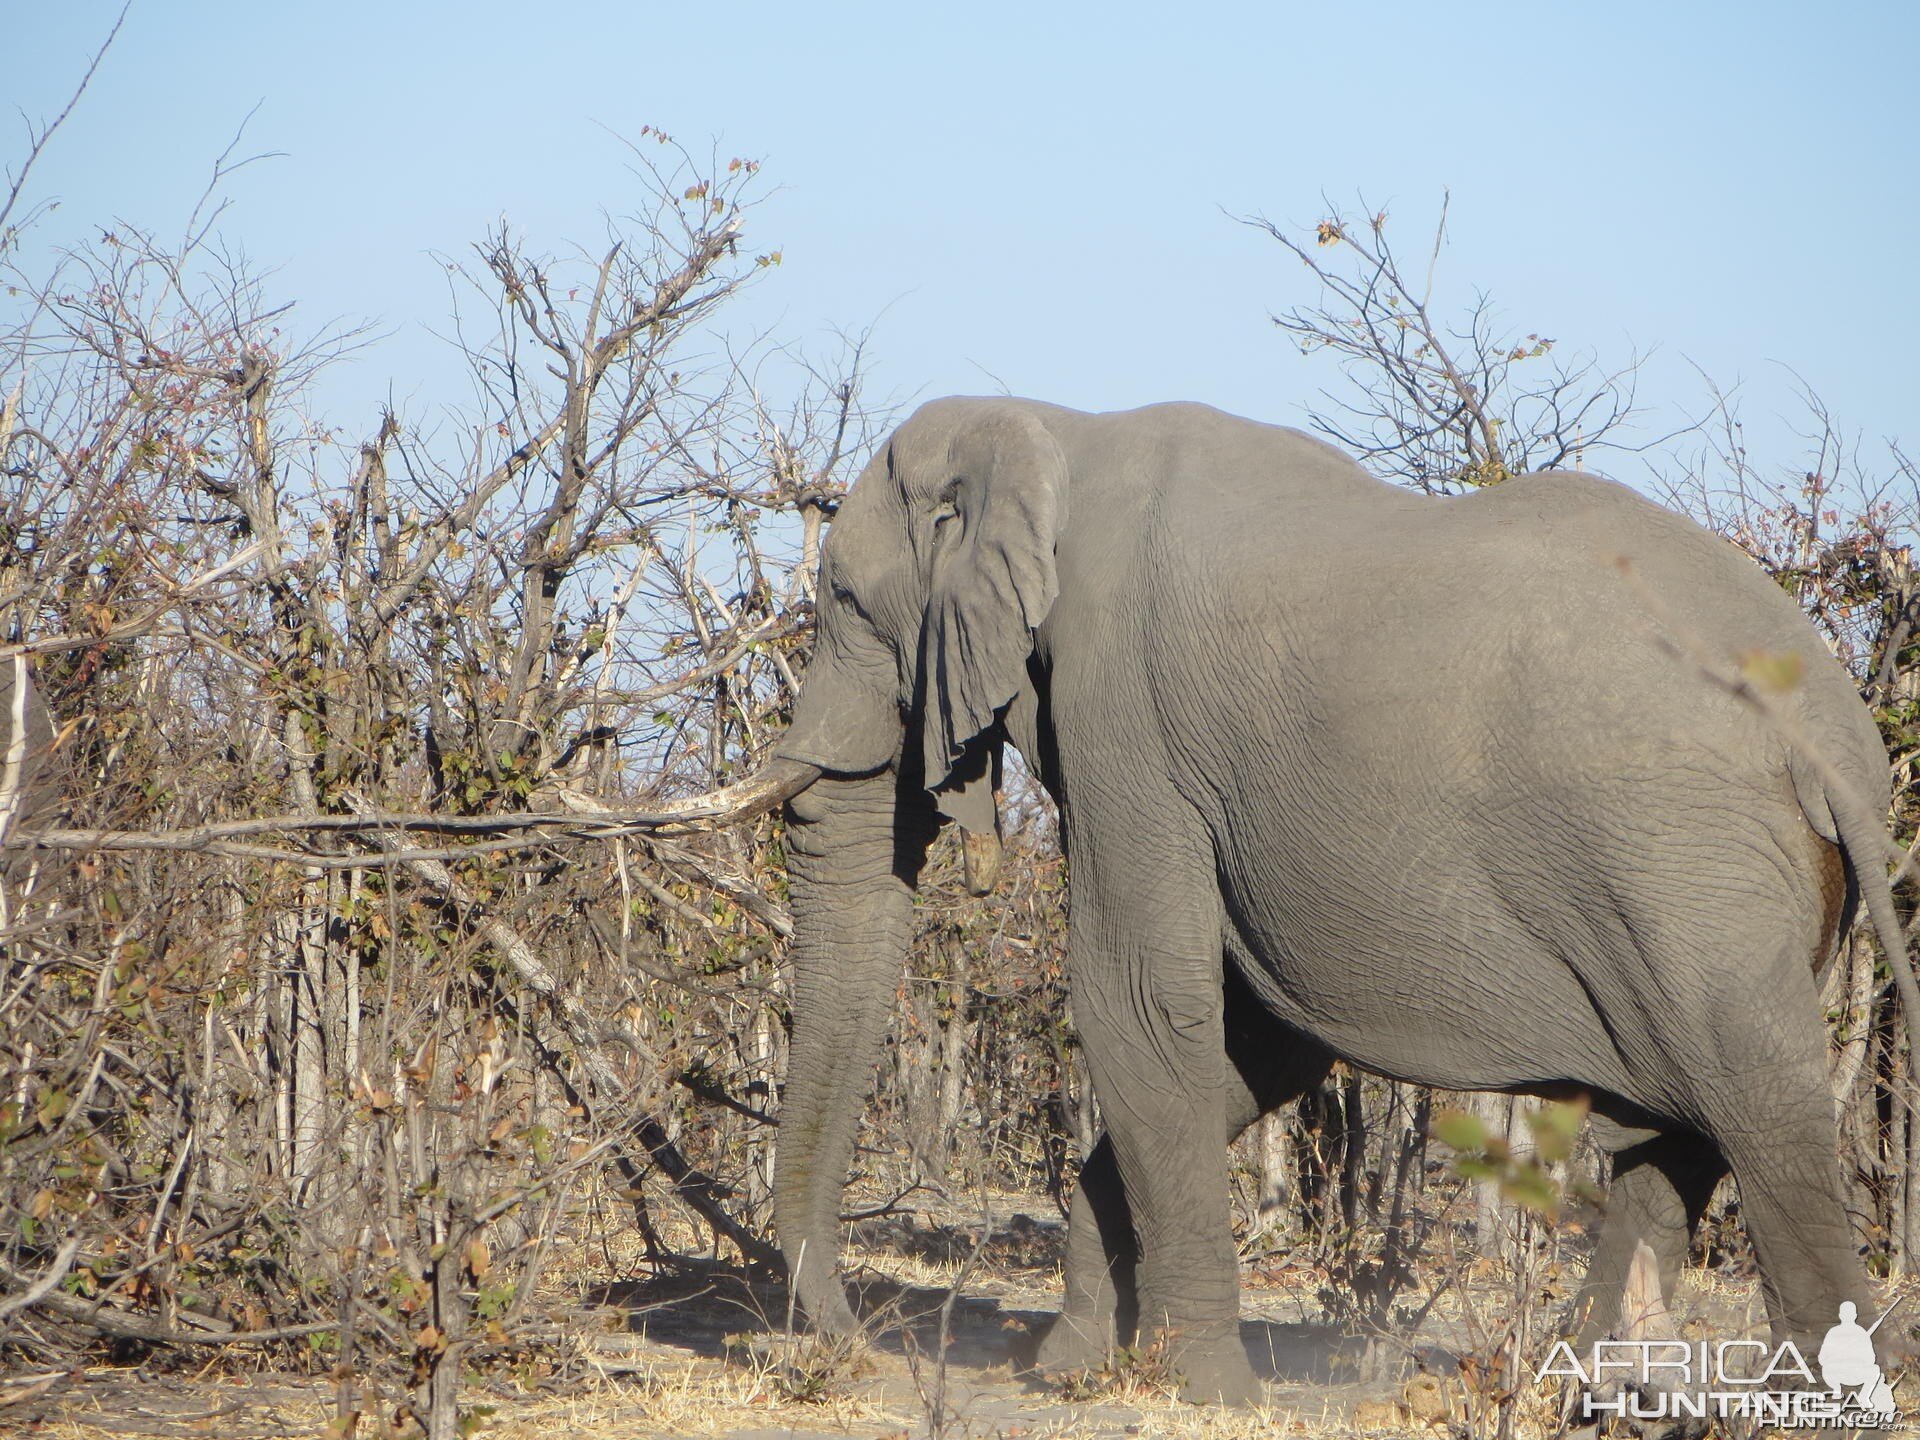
point(1554, 647)
point(1645, 617)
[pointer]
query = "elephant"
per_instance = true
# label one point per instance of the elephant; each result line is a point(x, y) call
point(1541, 789)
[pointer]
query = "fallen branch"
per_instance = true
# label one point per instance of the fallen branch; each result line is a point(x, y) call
point(122, 1325)
point(605, 824)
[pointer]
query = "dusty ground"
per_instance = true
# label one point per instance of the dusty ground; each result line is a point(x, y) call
point(710, 1357)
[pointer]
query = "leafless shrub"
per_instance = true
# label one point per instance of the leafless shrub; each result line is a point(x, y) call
point(340, 975)
point(319, 1078)
point(1439, 402)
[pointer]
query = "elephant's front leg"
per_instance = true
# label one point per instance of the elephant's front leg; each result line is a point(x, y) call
point(1145, 976)
point(1268, 1066)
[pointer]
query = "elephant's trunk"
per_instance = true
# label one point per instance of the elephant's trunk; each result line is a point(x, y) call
point(854, 849)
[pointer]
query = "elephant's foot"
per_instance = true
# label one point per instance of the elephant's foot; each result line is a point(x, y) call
point(1074, 1343)
point(1214, 1370)
point(825, 1308)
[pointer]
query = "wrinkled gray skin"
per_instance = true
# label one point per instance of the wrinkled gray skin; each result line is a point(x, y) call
point(1443, 785)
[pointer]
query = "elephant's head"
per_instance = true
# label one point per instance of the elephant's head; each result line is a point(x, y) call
point(932, 581)
point(937, 570)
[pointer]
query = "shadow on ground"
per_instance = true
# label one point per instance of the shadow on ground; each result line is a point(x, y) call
point(701, 1313)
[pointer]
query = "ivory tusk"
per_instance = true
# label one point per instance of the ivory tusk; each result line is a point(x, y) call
point(775, 783)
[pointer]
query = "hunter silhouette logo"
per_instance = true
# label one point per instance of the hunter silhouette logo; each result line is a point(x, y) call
point(1848, 1364)
point(1735, 1379)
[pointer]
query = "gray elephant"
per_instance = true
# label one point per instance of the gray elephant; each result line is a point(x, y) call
point(1542, 790)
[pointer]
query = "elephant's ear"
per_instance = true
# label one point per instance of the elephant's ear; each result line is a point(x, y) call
point(993, 584)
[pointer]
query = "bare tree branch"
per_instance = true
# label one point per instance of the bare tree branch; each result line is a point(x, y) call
point(37, 140)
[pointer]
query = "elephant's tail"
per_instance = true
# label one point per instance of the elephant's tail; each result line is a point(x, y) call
point(1863, 840)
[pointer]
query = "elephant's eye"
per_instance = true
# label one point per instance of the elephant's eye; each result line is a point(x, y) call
point(948, 509)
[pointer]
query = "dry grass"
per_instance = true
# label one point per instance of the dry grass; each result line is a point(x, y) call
point(638, 1368)
point(698, 1399)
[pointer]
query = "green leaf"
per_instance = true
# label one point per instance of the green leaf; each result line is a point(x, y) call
point(1533, 1189)
point(1461, 1130)
point(1778, 672)
point(1555, 1127)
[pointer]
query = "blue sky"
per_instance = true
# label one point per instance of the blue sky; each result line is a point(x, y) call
point(1041, 201)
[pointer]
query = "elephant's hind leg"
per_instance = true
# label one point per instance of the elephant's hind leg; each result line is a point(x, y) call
point(1781, 1141)
point(1661, 1187)
point(1756, 1084)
